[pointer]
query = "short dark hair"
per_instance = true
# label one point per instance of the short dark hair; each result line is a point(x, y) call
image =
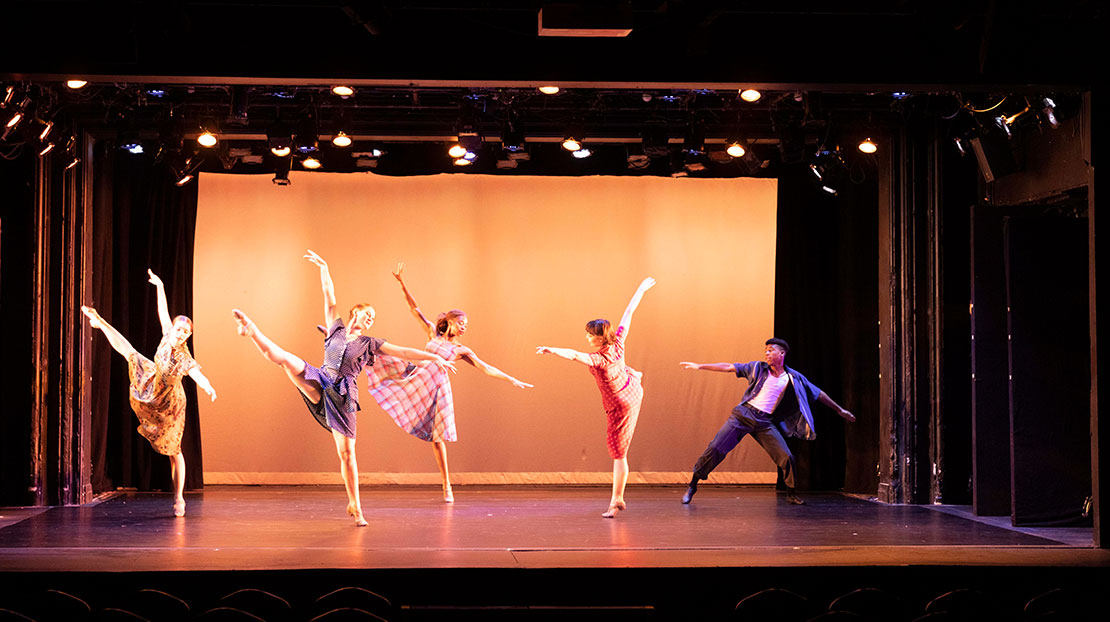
point(775, 341)
point(601, 328)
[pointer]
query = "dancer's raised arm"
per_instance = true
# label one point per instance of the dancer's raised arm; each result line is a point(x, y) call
point(163, 307)
point(429, 327)
point(327, 286)
point(469, 356)
point(202, 382)
point(626, 319)
point(412, 354)
point(565, 353)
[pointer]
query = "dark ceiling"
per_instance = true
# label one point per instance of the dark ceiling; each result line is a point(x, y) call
point(424, 71)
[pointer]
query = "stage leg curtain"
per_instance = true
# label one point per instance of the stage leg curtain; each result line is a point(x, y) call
point(141, 220)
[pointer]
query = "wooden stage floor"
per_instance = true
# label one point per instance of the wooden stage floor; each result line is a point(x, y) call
point(292, 527)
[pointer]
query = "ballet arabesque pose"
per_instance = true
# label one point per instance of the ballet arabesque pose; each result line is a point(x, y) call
point(156, 395)
point(621, 391)
point(331, 390)
point(419, 398)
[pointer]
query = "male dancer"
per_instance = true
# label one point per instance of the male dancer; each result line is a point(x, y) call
point(766, 409)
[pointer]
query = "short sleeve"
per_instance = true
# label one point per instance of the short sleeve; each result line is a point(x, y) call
point(375, 345)
point(336, 324)
point(811, 389)
point(743, 370)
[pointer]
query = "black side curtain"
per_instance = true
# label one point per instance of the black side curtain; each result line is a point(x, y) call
point(141, 220)
point(826, 308)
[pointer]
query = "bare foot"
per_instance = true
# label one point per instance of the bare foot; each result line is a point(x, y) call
point(448, 497)
point(614, 508)
point(179, 508)
point(94, 317)
point(245, 326)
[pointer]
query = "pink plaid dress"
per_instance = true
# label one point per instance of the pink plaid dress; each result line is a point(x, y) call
point(416, 396)
point(621, 394)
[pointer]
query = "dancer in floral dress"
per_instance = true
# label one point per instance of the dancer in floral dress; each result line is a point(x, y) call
point(419, 398)
point(156, 395)
point(621, 391)
point(331, 390)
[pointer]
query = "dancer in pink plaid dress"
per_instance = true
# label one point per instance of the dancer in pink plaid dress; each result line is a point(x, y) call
point(621, 392)
point(331, 391)
point(419, 398)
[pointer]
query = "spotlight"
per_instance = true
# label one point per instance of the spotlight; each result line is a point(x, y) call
point(468, 145)
point(72, 163)
point(750, 95)
point(207, 139)
point(14, 120)
point(456, 151)
point(582, 153)
point(735, 149)
point(281, 172)
point(9, 93)
point(311, 163)
point(342, 90)
point(184, 179)
point(829, 190)
point(899, 95)
point(571, 144)
point(280, 139)
point(960, 145)
point(549, 90)
point(47, 126)
point(512, 137)
point(77, 84)
point(1003, 125)
point(46, 149)
point(868, 146)
point(470, 156)
point(130, 142)
point(1049, 111)
point(156, 92)
point(341, 139)
point(462, 162)
point(306, 138)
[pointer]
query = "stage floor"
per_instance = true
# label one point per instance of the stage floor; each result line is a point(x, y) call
point(294, 527)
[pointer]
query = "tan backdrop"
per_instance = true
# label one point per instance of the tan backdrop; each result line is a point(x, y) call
point(530, 259)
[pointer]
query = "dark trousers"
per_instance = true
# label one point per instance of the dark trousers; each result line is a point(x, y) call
point(746, 420)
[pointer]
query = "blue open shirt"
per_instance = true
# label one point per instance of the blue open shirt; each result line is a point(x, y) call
point(799, 421)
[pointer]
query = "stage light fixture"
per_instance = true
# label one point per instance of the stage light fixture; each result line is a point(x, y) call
point(470, 156)
point(47, 127)
point(636, 158)
point(279, 137)
point(130, 141)
point(512, 137)
point(571, 143)
point(582, 153)
point(306, 139)
point(693, 162)
point(9, 93)
point(1048, 109)
point(343, 90)
point(281, 171)
point(828, 190)
point(456, 151)
point(750, 95)
point(47, 148)
point(868, 146)
point(76, 83)
point(959, 142)
point(655, 142)
point(311, 163)
point(1003, 125)
point(14, 120)
point(899, 95)
point(736, 149)
point(462, 162)
point(207, 138)
point(72, 163)
point(341, 139)
point(549, 90)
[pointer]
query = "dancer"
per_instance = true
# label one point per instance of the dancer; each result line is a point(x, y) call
point(156, 395)
point(331, 391)
point(621, 391)
point(767, 411)
point(419, 399)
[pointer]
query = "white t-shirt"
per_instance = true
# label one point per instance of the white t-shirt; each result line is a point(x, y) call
point(770, 393)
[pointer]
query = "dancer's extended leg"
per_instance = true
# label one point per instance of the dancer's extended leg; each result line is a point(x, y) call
point(620, 479)
point(177, 472)
point(119, 342)
point(291, 363)
point(348, 468)
point(439, 448)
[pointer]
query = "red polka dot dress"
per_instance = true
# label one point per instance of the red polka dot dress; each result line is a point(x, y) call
point(621, 394)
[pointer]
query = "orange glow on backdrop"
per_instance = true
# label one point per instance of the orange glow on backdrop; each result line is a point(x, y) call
point(530, 259)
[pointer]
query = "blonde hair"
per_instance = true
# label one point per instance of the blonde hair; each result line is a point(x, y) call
point(359, 307)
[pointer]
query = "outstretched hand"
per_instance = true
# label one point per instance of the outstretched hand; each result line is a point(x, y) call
point(399, 270)
point(154, 279)
point(849, 417)
point(688, 365)
point(521, 385)
point(445, 364)
point(316, 259)
point(647, 284)
point(543, 350)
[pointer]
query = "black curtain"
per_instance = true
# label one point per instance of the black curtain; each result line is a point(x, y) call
point(141, 220)
point(826, 308)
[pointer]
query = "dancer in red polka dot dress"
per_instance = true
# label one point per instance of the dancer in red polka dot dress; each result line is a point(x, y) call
point(621, 392)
